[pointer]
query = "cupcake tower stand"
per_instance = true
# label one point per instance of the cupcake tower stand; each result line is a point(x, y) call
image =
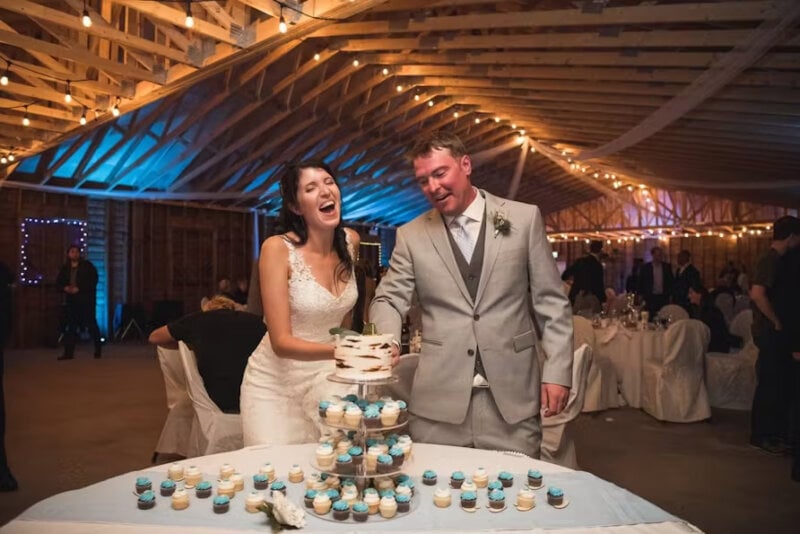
point(361, 475)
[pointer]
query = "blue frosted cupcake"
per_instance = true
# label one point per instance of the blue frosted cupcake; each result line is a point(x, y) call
point(222, 503)
point(408, 484)
point(167, 488)
point(147, 499)
point(360, 512)
point(143, 484)
point(397, 456)
point(469, 499)
point(357, 454)
point(429, 478)
point(403, 417)
point(344, 464)
point(308, 499)
point(341, 510)
point(278, 485)
point(333, 495)
point(494, 485)
point(203, 489)
point(385, 464)
point(555, 496)
point(387, 493)
point(372, 416)
point(456, 479)
point(403, 503)
point(260, 481)
point(497, 500)
point(534, 478)
point(323, 407)
point(506, 479)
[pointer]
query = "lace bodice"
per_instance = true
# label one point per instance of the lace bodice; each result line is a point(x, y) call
point(314, 309)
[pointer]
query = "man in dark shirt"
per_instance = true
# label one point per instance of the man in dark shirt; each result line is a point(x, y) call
point(655, 281)
point(78, 280)
point(686, 276)
point(587, 273)
point(222, 340)
point(771, 401)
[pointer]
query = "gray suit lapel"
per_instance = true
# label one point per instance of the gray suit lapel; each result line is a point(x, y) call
point(491, 242)
point(437, 232)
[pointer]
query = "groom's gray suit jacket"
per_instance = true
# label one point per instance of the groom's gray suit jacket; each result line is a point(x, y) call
point(518, 274)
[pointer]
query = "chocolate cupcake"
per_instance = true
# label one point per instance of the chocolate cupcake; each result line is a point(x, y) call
point(555, 496)
point(429, 478)
point(506, 479)
point(147, 499)
point(469, 499)
point(385, 464)
point(333, 495)
point(167, 488)
point(341, 510)
point(308, 500)
point(143, 484)
point(403, 503)
point(397, 456)
point(222, 504)
point(323, 407)
point(534, 478)
point(203, 489)
point(360, 512)
point(457, 479)
point(497, 500)
point(344, 464)
point(372, 416)
point(403, 417)
point(260, 481)
point(278, 485)
point(494, 485)
point(357, 454)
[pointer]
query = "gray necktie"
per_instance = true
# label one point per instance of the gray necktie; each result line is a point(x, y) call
point(461, 237)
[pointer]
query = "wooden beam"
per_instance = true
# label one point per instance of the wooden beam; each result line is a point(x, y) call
point(177, 17)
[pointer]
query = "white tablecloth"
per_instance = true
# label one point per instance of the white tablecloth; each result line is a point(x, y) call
point(628, 350)
point(109, 506)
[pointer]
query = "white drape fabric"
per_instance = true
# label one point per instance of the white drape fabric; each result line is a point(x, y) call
point(174, 438)
point(601, 383)
point(731, 378)
point(673, 312)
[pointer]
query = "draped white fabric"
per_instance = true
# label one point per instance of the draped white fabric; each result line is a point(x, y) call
point(177, 428)
point(673, 312)
point(731, 378)
point(601, 383)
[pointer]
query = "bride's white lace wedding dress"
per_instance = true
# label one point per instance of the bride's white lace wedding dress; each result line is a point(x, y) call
point(279, 396)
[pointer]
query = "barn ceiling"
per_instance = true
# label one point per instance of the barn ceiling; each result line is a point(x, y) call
point(562, 101)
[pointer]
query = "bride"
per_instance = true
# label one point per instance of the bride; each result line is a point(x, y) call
point(307, 287)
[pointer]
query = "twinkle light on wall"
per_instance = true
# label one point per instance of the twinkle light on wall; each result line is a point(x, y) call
point(25, 277)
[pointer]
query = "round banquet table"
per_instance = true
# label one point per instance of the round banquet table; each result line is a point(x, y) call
point(110, 506)
point(628, 351)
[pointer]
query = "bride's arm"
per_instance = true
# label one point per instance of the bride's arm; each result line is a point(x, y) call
point(273, 267)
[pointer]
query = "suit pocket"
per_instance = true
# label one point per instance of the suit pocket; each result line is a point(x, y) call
point(524, 341)
point(432, 342)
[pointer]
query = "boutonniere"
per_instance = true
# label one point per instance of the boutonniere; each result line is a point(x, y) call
point(501, 224)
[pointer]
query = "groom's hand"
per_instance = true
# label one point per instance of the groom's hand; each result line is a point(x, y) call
point(395, 354)
point(554, 399)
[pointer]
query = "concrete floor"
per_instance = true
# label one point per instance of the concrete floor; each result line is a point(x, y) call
point(77, 422)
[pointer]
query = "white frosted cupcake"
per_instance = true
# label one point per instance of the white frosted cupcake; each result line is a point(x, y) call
point(384, 483)
point(193, 476)
point(372, 457)
point(180, 499)
point(372, 500)
point(343, 445)
point(322, 503)
point(526, 499)
point(442, 498)
point(387, 507)
point(175, 472)
point(469, 485)
point(238, 481)
point(226, 471)
point(333, 482)
point(296, 474)
point(389, 414)
point(311, 480)
point(480, 477)
point(403, 490)
point(269, 470)
point(226, 487)
point(352, 416)
point(325, 456)
point(253, 501)
point(334, 414)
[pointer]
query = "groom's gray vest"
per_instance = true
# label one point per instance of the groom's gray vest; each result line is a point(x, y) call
point(471, 273)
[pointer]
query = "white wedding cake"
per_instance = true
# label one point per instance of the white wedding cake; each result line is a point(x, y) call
point(363, 358)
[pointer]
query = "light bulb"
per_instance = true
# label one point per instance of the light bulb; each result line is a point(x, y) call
point(416, 98)
point(115, 110)
point(477, 120)
point(356, 63)
point(86, 20)
point(430, 103)
point(497, 119)
point(455, 114)
point(11, 157)
point(25, 120)
point(282, 27)
point(189, 22)
point(68, 95)
point(4, 78)
point(83, 118)
point(3, 160)
point(399, 88)
point(316, 57)
point(513, 126)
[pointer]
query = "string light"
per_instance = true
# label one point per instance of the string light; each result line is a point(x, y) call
point(189, 22)
point(497, 119)
point(477, 120)
point(416, 97)
point(30, 279)
point(455, 114)
point(115, 109)
point(385, 71)
point(25, 120)
point(4, 77)
point(316, 56)
point(3, 160)
point(282, 24)
point(83, 117)
point(86, 20)
point(68, 94)
point(430, 103)
point(11, 156)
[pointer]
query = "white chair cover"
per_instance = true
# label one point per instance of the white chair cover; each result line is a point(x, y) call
point(177, 428)
point(724, 302)
point(742, 304)
point(731, 378)
point(741, 324)
point(558, 444)
point(601, 383)
point(673, 312)
point(674, 389)
point(213, 431)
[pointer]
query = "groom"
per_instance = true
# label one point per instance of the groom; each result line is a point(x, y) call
point(479, 265)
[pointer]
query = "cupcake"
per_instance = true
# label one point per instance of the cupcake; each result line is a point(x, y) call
point(325, 456)
point(334, 414)
point(497, 500)
point(360, 512)
point(147, 499)
point(469, 499)
point(429, 478)
point(403, 489)
point(308, 500)
point(402, 477)
point(222, 503)
point(143, 484)
point(387, 507)
point(238, 481)
point(311, 480)
point(385, 464)
point(332, 481)
point(441, 497)
point(495, 485)
point(167, 488)
point(534, 478)
point(192, 477)
point(397, 456)
point(555, 496)
point(203, 489)
point(387, 493)
point(469, 485)
point(456, 479)
point(372, 416)
point(372, 500)
point(260, 481)
point(175, 472)
point(343, 445)
point(278, 485)
point(269, 470)
point(403, 503)
point(180, 499)
point(352, 416)
point(341, 510)
point(253, 502)
point(226, 487)
point(323, 407)
point(226, 471)
point(357, 454)
point(389, 414)
point(348, 482)
point(372, 458)
point(480, 477)
point(506, 479)
point(322, 503)
point(344, 464)
point(350, 494)
point(383, 483)
point(296, 474)
point(525, 499)
point(403, 415)
point(350, 397)
point(333, 494)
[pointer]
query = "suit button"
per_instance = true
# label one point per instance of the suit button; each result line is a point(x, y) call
point(471, 277)
point(470, 352)
point(476, 316)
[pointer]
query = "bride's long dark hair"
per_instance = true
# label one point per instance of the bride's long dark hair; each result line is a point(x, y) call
point(288, 221)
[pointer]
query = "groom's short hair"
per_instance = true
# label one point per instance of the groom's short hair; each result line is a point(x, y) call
point(437, 141)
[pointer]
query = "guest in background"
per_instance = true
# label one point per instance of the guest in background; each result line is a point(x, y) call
point(655, 282)
point(771, 402)
point(686, 276)
point(792, 320)
point(587, 274)
point(702, 308)
point(7, 480)
point(78, 280)
point(224, 288)
point(240, 294)
point(724, 285)
point(222, 340)
point(632, 282)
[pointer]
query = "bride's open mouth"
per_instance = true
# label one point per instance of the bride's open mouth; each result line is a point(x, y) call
point(328, 207)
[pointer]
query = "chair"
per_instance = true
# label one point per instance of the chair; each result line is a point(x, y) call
point(673, 312)
point(741, 326)
point(731, 378)
point(558, 445)
point(601, 383)
point(742, 304)
point(674, 389)
point(725, 303)
point(213, 430)
point(177, 428)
